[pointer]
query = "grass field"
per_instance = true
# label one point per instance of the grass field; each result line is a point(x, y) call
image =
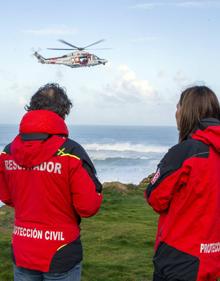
point(118, 242)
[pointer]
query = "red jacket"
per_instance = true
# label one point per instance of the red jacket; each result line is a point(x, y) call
point(185, 191)
point(51, 182)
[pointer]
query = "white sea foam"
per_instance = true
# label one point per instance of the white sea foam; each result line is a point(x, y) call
point(101, 157)
point(126, 147)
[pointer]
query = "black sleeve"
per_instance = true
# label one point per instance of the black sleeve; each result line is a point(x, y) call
point(7, 149)
point(76, 149)
point(174, 160)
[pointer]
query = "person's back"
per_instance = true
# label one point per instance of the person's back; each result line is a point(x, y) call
point(51, 182)
point(208, 195)
point(185, 191)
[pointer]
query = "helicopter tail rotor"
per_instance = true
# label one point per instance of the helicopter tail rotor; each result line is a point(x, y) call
point(40, 58)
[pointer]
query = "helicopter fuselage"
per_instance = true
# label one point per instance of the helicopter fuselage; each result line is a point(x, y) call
point(73, 59)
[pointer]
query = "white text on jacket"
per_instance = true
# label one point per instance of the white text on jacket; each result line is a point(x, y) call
point(50, 167)
point(210, 248)
point(38, 234)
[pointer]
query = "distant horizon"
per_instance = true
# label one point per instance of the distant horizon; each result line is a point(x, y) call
point(100, 125)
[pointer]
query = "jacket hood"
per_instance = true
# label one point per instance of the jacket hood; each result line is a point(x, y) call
point(43, 121)
point(209, 132)
point(41, 133)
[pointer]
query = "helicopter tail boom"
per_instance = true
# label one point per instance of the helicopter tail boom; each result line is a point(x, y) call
point(39, 57)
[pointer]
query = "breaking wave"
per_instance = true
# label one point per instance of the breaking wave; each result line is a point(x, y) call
point(126, 147)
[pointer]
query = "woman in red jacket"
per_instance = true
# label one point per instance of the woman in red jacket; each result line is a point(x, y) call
point(185, 191)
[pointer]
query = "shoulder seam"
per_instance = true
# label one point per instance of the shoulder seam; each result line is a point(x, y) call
point(200, 153)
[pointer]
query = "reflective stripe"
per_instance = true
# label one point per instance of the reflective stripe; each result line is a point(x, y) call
point(61, 247)
point(61, 153)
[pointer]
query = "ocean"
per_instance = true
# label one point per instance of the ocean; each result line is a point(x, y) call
point(120, 153)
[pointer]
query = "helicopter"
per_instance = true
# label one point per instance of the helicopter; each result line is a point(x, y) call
point(79, 58)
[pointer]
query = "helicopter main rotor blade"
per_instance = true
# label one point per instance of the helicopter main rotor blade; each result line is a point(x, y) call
point(99, 49)
point(64, 42)
point(61, 49)
point(97, 42)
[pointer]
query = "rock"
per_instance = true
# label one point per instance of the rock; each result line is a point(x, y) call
point(144, 183)
point(118, 186)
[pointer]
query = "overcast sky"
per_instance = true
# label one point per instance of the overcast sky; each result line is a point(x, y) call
point(158, 48)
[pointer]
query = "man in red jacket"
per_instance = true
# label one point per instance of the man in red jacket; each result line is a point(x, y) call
point(51, 183)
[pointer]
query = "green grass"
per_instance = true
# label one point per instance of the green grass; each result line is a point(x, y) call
point(6, 221)
point(118, 242)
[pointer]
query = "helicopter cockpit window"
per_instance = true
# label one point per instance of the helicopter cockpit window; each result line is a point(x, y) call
point(83, 60)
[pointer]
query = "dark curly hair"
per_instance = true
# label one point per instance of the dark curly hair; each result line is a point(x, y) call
point(51, 97)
